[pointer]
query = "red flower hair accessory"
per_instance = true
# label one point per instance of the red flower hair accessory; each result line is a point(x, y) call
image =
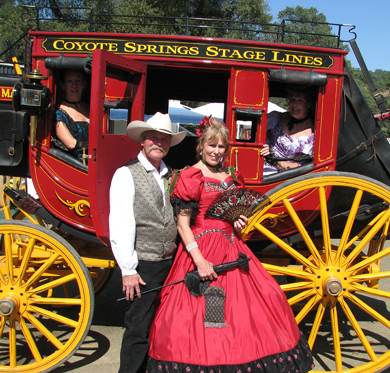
point(205, 122)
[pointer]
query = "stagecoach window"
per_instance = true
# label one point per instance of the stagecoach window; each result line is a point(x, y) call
point(246, 127)
point(118, 121)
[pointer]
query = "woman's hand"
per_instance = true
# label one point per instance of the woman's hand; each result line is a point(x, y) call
point(203, 266)
point(264, 151)
point(240, 223)
point(206, 270)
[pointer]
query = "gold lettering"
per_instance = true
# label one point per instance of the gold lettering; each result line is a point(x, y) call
point(90, 46)
point(152, 49)
point(260, 56)
point(235, 53)
point(6, 92)
point(308, 60)
point(194, 51)
point(112, 47)
point(171, 49)
point(129, 47)
point(276, 58)
point(293, 58)
point(249, 55)
point(182, 50)
point(69, 46)
point(212, 51)
point(317, 61)
point(223, 52)
point(57, 46)
point(79, 45)
point(141, 48)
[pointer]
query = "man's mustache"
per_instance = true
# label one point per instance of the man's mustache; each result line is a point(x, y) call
point(156, 147)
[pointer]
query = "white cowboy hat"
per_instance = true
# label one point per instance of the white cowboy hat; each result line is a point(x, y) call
point(158, 122)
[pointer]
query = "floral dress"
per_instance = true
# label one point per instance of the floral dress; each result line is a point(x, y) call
point(258, 332)
point(283, 145)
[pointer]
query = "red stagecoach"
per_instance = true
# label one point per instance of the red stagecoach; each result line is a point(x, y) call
point(320, 228)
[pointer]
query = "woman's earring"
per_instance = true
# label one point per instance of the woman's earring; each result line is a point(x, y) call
point(201, 152)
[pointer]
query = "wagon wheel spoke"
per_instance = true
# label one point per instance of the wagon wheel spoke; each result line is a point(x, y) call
point(12, 344)
point(2, 325)
point(366, 308)
point(301, 229)
point(348, 226)
point(336, 335)
point(371, 291)
point(307, 307)
point(384, 217)
point(325, 224)
point(358, 329)
point(45, 332)
point(337, 272)
point(9, 274)
point(35, 309)
point(30, 340)
point(283, 245)
point(25, 261)
point(317, 323)
point(372, 259)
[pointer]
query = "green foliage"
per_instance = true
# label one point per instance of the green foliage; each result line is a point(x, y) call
point(381, 80)
point(11, 28)
point(314, 31)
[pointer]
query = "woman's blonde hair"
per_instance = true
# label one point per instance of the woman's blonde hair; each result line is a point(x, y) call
point(213, 132)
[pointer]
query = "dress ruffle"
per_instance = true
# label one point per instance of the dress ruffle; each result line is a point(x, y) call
point(298, 359)
point(179, 204)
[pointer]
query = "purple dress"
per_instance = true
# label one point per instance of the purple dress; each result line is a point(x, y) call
point(284, 145)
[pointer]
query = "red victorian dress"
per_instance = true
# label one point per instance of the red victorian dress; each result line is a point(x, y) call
point(259, 333)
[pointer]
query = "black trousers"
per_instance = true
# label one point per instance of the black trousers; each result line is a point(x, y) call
point(139, 315)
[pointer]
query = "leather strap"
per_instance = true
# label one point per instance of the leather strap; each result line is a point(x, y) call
point(362, 147)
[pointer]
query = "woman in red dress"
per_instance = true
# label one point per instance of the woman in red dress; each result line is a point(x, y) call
point(256, 329)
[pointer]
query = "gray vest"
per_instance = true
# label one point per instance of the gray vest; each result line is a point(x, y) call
point(156, 230)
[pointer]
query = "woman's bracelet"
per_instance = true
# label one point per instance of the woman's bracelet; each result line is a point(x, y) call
point(191, 246)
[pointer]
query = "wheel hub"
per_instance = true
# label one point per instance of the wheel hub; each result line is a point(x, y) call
point(7, 306)
point(12, 300)
point(333, 286)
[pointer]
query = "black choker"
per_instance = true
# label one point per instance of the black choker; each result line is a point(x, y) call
point(293, 121)
point(218, 166)
point(73, 102)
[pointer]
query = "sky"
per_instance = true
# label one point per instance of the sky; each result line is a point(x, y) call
point(369, 17)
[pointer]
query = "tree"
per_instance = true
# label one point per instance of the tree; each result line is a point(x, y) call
point(227, 16)
point(11, 28)
point(305, 26)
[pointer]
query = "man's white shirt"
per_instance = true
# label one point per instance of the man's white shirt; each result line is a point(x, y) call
point(121, 219)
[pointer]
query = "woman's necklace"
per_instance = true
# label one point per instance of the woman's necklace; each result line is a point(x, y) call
point(217, 167)
point(293, 121)
point(75, 103)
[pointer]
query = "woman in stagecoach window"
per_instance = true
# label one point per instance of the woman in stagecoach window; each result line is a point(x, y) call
point(72, 116)
point(233, 321)
point(290, 134)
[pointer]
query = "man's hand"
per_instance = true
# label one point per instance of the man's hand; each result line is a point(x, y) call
point(130, 285)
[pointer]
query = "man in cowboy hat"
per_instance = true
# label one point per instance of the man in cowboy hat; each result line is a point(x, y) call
point(143, 230)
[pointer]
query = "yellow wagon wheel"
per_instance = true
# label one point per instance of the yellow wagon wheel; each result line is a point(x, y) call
point(38, 333)
point(99, 275)
point(335, 295)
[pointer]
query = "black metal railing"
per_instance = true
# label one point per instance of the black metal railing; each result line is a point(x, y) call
point(288, 31)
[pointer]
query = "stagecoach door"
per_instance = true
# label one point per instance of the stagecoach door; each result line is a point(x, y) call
point(117, 85)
